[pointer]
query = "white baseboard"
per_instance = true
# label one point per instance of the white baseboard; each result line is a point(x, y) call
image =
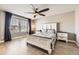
point(19, 37)
point(1, 41)
point(72, 41)
point(77, 44)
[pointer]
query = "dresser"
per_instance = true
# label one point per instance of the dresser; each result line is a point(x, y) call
point(62, 36)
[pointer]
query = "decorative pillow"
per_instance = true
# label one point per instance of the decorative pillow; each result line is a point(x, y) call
point(50, 31)
point(38, 31)
point(43, 30)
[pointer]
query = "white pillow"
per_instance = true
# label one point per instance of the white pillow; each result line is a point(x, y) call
point(43, 30)
point(50, 31)
point(38, 31)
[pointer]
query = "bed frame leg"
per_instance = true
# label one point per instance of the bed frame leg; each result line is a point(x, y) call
point(50, 52)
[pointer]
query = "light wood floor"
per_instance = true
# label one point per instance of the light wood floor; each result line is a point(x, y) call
point(19, 47)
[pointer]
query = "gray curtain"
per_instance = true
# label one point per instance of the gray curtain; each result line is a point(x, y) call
point(29, 21)
point(7, 34)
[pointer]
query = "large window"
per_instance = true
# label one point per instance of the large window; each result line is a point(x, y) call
point(14, 25)
point(18, 25)
point(23, 26)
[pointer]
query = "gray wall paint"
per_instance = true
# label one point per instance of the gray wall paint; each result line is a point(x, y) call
point(66, 21)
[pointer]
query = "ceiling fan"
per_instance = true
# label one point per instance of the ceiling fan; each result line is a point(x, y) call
point(37, 12)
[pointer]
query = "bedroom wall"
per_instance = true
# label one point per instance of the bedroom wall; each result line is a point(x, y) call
point(2, 23)
point(77, 25)
point(66, 21)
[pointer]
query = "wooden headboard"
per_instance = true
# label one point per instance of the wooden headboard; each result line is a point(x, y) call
point(46, 26)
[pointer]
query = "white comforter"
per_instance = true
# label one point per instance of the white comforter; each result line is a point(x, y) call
point(47, 35)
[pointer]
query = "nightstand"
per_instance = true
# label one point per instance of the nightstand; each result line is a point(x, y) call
point(62, 36)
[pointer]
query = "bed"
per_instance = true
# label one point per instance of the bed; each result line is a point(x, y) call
point(46, 38)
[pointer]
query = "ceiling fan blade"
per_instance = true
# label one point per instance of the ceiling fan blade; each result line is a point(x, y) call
point(30, 12)
point(46, 9)
point(41, 14)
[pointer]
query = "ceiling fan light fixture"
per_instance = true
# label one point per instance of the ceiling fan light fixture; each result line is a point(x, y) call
point(37, 12)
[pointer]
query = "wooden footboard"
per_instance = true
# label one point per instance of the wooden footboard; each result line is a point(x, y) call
point(44, 43)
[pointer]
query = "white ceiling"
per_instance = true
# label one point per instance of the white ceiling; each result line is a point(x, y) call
point(20, 9)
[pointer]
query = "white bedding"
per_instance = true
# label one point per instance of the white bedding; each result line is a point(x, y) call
point(47, 35)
